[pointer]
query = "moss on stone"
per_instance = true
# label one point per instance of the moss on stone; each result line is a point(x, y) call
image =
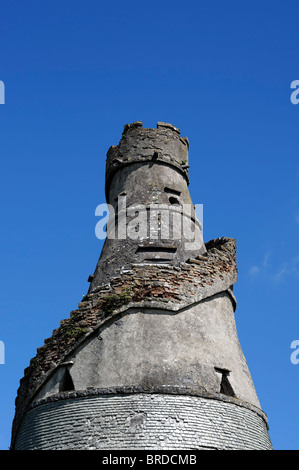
point(114, 301)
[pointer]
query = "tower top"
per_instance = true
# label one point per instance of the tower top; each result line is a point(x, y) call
point(162, 145)
point(151, 212)
point(160, 124)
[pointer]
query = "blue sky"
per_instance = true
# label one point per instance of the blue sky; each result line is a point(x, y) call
point(75, 72)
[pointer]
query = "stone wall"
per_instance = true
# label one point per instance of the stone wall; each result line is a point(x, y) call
point(152, 347)
point(142, 421)
point(154, 286)
point(150, 358)
point(139, 144)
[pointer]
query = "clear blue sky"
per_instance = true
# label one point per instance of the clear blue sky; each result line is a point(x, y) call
point(75, 72)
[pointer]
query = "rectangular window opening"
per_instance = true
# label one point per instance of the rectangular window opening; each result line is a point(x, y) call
point(172, 191)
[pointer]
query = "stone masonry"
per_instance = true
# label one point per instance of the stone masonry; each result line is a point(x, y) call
point(150, 359)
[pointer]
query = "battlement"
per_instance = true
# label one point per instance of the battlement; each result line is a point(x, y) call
point(161, 146)
point(139, 124)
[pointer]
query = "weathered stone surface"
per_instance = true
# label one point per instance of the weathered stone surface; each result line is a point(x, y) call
point(174, 290)
point(143, 421)
point(149, 167)
point(155, 336)
point(158, 347)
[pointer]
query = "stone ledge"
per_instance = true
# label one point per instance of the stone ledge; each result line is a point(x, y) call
point(117, 163)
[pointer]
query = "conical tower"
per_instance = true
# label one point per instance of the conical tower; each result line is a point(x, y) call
point(151, 358)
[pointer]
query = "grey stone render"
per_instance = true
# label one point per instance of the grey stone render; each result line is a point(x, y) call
point(151, 358)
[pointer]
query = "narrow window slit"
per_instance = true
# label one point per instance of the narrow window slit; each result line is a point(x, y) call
point(225, 386)
point(172, 191)
point(156, 249)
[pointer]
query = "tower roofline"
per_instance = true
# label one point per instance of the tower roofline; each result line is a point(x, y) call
point(162, 145)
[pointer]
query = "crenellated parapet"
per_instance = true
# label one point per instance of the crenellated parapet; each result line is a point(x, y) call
point(162, 146)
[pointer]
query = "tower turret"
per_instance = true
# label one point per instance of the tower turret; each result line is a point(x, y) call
point(151, 358)
point(152, 217)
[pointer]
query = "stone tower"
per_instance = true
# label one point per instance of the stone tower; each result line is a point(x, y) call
point(151, 358)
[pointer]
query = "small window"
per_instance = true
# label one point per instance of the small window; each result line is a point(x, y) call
point(174, 201)
point(225, 386)
point(156, 249)
point(172, 191)
point(66, 383)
